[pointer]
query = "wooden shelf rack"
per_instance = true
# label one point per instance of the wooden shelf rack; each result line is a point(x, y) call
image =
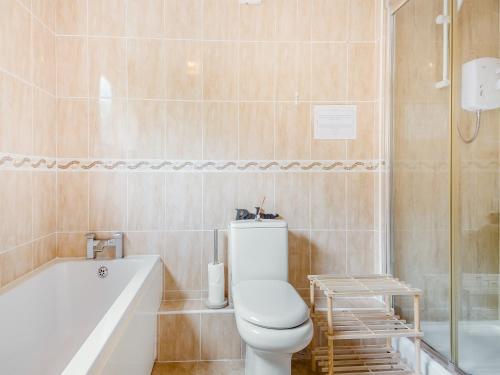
point(363, 325)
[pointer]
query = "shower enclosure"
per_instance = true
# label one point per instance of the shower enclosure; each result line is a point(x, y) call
point(445, 173)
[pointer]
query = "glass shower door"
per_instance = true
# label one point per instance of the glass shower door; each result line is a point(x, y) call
point(475, 192)
point(421, 167)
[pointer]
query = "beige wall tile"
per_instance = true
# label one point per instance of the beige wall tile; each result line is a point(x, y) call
point(44, 250)
point(258, 22)
point(328, 252)
point(253, 188)
point(45, 10)
point(107, 67)
point(108, 128)
point(361, 253)
point(219, 337)
point(293, 20)
point(328, 201)
point(183, 70)
point(71, 17)
point(175, 368)
point(72, 67)
point(293, 71)
point(181, 305)
point(72, 201)
point(146, 68)
point(182, 258)
point(107, 201)
point(293, 131)
point(220, 131)
point(182, 295)
point(179, 337)
point(220, 197)
point(220, 70)
point(363, 68)
point(329, 71)
point(15, 263)
point(146, 201)
point(71, 245)
point(363, 20)
point(146, 129)
point(183, 19)
point(184, 130)
point(183, 201)
point(299, 258)
point(257, 71)
point(44, 57)
point(15, 116)
point(365, 144)
point(330, 20)
point(44, 124)
point(220, 20)
point(15, 39)
point(107, 17)
point(360, 201)
point(72, 128)
point(16, 199)
point(145, 18)
point(44, 203)
point(292, 199)
point(140, 243)
point(256, 132)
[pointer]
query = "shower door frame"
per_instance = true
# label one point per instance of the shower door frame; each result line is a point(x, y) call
point(392, 7)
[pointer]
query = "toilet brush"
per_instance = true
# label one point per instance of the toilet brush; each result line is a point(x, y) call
point(216, 298)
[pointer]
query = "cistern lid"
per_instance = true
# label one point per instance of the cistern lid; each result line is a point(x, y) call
point(267, 223)
point(270, 304)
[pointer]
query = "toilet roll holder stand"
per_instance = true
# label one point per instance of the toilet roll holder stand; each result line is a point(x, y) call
point(216, 261)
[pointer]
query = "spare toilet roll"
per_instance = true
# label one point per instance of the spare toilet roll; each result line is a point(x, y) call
point(216, 284)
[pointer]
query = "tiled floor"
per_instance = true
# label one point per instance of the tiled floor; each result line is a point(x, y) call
point(218, 368)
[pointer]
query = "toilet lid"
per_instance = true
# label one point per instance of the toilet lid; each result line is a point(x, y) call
point(270, 304)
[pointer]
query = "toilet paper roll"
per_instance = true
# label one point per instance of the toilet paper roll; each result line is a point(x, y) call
point(216, 283)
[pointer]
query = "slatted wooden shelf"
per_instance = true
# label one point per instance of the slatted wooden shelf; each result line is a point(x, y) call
point(371, 359)
point(373, 285)
point(351, 325)
point(346, 323)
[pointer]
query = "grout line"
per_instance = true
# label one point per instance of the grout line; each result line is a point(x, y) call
point(285, 101)
point(57, 131)
point(239, 40)
point(34, 16)
point(88, 109)
point(32, 182)
point(28, 83)
point(32, 241)
point(347, 226)
point(126, 152)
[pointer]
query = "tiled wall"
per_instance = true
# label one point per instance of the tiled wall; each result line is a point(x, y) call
point(187, 81)
point(213, 80)
point(186, 333)
point(27, 127)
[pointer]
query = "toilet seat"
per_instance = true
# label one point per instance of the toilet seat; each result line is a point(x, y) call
point(272, 304)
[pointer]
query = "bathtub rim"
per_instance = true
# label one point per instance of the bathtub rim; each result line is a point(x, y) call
point(92, 353)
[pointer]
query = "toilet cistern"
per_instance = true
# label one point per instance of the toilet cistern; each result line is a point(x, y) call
point(271, 317)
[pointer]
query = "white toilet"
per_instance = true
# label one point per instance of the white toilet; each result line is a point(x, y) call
point(271, 317)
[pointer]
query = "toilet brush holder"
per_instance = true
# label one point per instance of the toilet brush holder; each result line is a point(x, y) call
point(216, 298)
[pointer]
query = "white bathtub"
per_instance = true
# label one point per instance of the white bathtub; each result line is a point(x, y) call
point(65, 319)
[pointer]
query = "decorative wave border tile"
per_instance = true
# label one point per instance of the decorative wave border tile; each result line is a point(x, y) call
point(39, 163)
